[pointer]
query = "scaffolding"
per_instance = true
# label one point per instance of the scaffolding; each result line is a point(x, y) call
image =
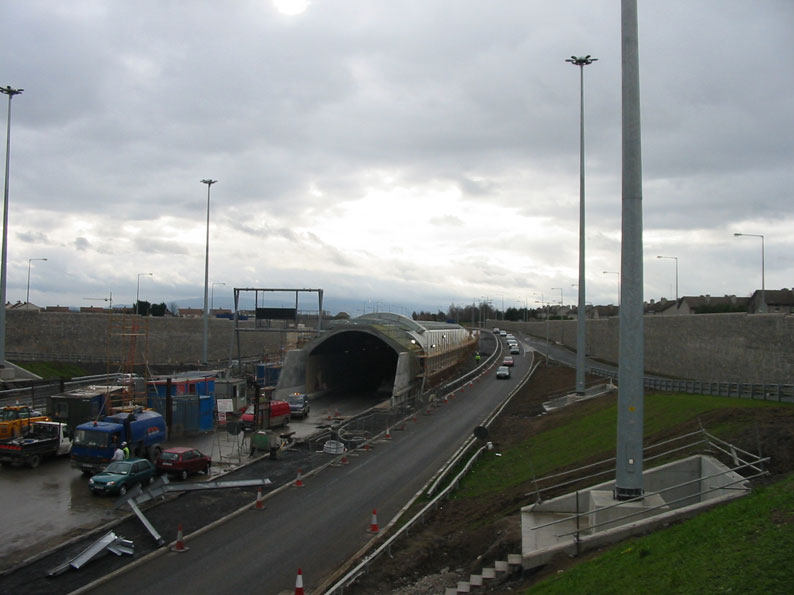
point(127, 360)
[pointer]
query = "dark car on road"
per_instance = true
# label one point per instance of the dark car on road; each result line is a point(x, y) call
point(298, 405)
point(120, 476)
point(183, 461)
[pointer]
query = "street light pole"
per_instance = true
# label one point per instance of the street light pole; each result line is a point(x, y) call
point(138, 292)
point(676, 273)
point(209, 184)
point(763, 283)
point(581, 62)
point(7, 90)
point(27, 293)
point(212, 298)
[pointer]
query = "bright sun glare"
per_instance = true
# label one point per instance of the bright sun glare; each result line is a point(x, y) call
point(291, 7)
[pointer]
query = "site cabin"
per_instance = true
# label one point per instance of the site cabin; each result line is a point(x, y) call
point(16, 420)
point(45, 439)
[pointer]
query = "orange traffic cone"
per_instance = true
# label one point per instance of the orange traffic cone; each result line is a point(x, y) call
point(260, 501)
point(387, 436)
point(344, 460)
point(298, 482)
point(299, 583)
point(373, 526)
point(179, 546)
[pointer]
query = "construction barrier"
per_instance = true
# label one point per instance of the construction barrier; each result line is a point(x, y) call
point(373, 525)
point(179, 546)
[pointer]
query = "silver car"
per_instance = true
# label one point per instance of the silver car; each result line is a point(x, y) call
point(503, 372)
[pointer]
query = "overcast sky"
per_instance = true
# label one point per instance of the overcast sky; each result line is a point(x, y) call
point(402, 155)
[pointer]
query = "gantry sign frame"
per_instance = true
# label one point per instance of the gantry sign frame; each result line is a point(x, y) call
point(272, 311)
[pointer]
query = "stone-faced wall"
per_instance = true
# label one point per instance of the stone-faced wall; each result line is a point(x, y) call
point(163, 340)
point(733, 347)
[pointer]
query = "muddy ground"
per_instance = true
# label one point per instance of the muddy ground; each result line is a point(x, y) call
point(464, 536)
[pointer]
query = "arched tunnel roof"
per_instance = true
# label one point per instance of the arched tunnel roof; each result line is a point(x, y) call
point(379, 351)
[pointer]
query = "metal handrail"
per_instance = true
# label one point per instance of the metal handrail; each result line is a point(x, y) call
point(638, 498)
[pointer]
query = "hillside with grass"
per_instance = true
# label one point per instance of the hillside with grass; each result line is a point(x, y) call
point(481, 522)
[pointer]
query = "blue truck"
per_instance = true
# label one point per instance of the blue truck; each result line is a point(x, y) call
point(95, 442)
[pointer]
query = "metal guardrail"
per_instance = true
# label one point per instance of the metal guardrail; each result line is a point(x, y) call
point(781, 393)
point(35, 395)
point(339, 584)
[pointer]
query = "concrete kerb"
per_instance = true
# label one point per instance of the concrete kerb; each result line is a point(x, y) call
point(343, 573)
point(134, 564)
point(104, 528)
point(166, 548)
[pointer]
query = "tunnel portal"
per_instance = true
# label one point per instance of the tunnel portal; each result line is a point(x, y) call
point(352, 361)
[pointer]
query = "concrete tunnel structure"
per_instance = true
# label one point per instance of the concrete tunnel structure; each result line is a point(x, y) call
point(379, 353)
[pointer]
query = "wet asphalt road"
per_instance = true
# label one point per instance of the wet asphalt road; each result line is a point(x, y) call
point(192, 510)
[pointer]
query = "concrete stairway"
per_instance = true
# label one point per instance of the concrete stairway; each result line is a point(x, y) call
point(500, 569)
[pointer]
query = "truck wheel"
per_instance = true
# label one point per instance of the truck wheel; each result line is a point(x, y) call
point(155, 453)
point(34, 461)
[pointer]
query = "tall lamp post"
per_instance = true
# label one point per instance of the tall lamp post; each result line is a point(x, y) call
point(763, 284)
point(581, 62)
point(618, 274)
point(7, 90)
point(212, 297)
point(209, 184)
point(138, 291)
point(27, 293)
point(676, 273)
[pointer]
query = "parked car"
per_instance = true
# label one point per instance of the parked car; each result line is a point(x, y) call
point(183, 461)
point(508, 361)
point(503, 372)
point(120, 476)
point(298, 405)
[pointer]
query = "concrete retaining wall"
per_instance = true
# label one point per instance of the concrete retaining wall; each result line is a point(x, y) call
point(734, 347)
point(158, 340)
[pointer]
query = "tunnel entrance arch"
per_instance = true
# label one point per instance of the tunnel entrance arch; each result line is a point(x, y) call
point(355, 360)
point(384, 354)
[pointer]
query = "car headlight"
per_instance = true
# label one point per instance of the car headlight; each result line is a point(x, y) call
point(111, 483)
point(91, 481)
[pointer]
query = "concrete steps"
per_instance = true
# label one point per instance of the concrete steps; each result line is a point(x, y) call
point(499, 570)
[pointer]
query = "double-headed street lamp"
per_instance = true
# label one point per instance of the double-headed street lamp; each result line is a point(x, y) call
point(7, 90)
point(763, 284)
point(209, 182)
point(138, 291)
point(27, 293)
point(581, 62)
point(676, 273)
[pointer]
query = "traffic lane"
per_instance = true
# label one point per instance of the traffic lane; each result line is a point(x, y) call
point(321, 525)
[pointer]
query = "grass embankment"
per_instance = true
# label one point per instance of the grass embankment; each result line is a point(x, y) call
point(53, 370)
point(744, 546)
point(582, 436)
